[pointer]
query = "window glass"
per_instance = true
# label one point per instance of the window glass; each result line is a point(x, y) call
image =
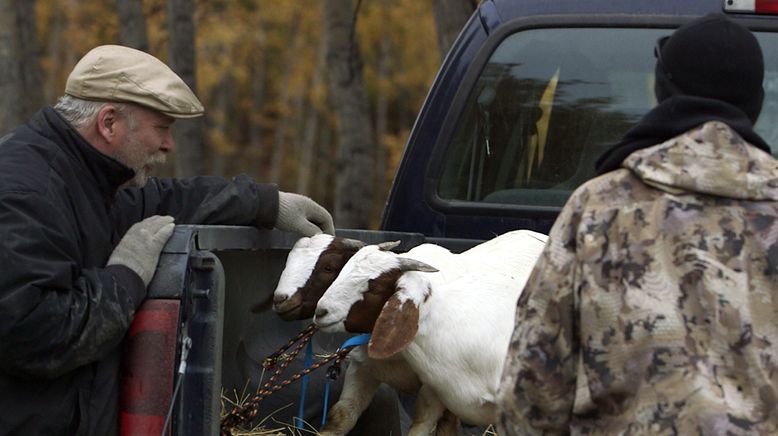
point(766, 125)
point(549, 102)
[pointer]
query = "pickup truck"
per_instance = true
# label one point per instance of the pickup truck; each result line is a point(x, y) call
point(530, 94)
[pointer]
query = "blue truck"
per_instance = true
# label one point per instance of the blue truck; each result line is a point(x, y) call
point(530, 94)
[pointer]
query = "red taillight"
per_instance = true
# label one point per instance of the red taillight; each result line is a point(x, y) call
point(752, 6)
point(766, 6)
point(148, 365)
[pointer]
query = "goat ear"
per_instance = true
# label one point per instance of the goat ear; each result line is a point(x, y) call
point(386, 246)
point(394, 329)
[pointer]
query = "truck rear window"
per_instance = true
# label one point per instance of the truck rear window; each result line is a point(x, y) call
point(549, 101)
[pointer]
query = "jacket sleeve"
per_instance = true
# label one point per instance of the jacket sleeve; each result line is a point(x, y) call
point(54, 316)
point(200, 200)
point(538, 383)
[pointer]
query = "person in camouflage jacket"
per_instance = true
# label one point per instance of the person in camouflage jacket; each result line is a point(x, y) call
point(654, 306)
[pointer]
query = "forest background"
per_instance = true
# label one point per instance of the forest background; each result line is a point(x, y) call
point(318, 96)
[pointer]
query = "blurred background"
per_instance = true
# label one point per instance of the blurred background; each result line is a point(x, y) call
point(318, 96)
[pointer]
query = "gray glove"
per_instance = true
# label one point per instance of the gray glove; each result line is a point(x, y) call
point(140, 247)
point(298, 213)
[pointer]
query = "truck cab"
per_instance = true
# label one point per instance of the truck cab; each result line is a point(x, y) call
point(530, 95)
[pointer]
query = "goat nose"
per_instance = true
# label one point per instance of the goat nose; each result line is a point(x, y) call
point(278, 299)
point(321, 312)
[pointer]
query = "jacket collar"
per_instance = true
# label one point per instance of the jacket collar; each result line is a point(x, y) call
point(675, 116)
point(712, 159)
point(109, 174)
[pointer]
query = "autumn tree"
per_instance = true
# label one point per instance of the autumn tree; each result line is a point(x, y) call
point(20, 72)
point(312, 123)
point(450, 18)
point(285, 94)
point(132, 24)
point(354, 126)
point(190, 150)
point(262, 71)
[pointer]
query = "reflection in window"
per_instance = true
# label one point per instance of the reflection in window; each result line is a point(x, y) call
point(547, 104)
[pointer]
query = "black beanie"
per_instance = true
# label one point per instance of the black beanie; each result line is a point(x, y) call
point(712, 57)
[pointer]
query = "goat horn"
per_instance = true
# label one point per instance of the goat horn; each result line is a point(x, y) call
point(386, 246)
point(415, 265)
point(352, 244)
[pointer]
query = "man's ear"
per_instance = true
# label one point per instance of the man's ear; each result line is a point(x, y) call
point(105, 121)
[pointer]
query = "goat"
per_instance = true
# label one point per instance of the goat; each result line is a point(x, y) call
point(311, 266)
point(449, 317)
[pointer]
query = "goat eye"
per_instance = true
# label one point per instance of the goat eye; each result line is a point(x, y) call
point(328, 269)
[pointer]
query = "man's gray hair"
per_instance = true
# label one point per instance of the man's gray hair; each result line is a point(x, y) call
point(79, 112)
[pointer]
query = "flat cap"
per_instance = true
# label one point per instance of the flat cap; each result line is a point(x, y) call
point(123, 74)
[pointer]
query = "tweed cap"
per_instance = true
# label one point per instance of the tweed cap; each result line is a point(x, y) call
point(123, 74)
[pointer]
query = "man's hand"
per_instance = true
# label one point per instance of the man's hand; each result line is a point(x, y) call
point(141, 246)
point(298, 213)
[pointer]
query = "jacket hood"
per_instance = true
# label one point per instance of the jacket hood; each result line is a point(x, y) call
point(711, 159)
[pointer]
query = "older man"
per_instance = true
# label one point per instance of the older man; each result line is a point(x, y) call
point(82, 227)
point(653, 308)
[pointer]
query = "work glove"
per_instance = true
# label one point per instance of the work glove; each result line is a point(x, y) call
point(298, 213)
point(140, 247)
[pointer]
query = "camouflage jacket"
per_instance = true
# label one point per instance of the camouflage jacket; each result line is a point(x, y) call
point(654, 306)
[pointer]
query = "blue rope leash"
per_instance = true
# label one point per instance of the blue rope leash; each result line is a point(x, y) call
point(326, 403)
point(334, 371)
point(307, 361)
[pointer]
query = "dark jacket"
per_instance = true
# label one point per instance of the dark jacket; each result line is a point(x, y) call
point(62, 312)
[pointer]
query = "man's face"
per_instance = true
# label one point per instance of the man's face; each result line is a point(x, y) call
point(147, 140)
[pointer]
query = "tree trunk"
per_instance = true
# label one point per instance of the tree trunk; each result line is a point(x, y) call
point(60, 53)
point(381, 127)
point(32, 75)
point(280, 144)
point(324, 176)
point(190, 149)
point(255, 149)
point(20, 71)
point(132, 24)
point(353, 185)
point(450, 18)
point(218, 115)
point(10, 80)
point(311, 126)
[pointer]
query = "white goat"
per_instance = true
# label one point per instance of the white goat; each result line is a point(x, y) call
point(451, 324)
point(311, 266)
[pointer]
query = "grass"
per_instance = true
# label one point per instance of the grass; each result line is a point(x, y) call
point(269, 426)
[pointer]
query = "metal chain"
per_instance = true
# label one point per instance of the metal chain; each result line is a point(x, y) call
point(247, 411)
point(306, 333)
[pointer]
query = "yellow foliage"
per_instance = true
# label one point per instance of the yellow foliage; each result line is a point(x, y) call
point(259, 65)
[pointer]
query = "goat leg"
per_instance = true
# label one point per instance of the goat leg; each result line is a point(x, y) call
point(448, 424)
point(359, 387)
point(427, 411)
